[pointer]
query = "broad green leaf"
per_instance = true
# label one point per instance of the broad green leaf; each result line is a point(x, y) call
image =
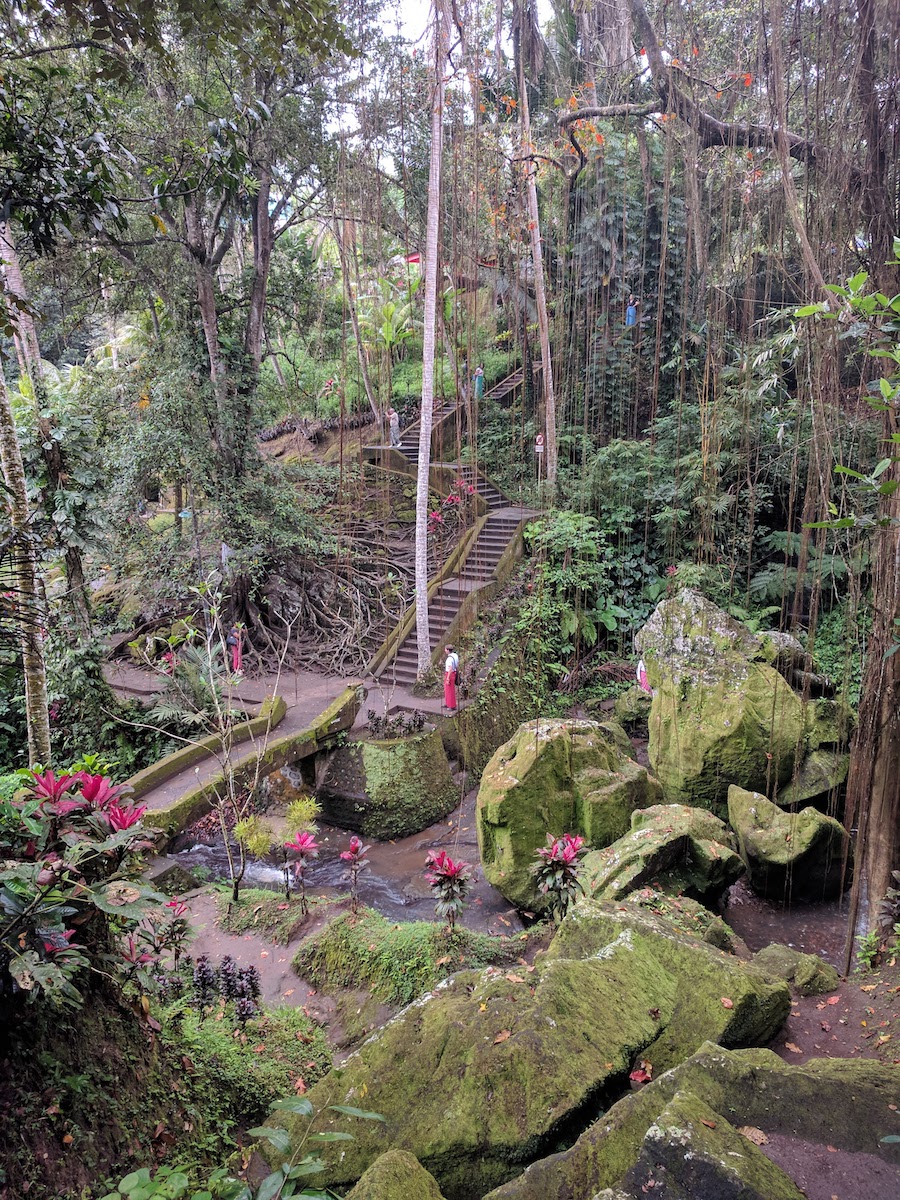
point(280, 1138)
point(294, 1104)
point(348, 1111)
point(809, 310)
point(270, 1186)
point(336, 1136)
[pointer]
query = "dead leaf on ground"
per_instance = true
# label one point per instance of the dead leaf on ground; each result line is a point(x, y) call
point(833, 1000)
point(502, 1036)
point(793, 1048)
point(754, 1135)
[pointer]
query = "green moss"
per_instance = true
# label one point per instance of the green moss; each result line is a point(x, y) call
point(702, 975)
point(555, 777)
point(396, 1175)
point(260, 911)
point(397, 962)
point(259, 1063)
point(479, 1075)
point(840, 1102)
point(388, 789)
point(797, 855)
point(808, 973)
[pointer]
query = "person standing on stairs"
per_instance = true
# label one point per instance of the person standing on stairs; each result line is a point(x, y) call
point(451, 677)
point(394, 426)
point(479, 382)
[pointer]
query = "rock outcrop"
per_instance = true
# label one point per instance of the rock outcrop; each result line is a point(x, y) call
point(723, 712)
point(555, 777)
point(478, 1077)
point(679, 849)
point(699, 1123)
point(797, 856)
point(388, 789)
point(396, 1175)
point(808, 973)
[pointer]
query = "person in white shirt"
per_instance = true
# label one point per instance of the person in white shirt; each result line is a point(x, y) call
point(451, 677)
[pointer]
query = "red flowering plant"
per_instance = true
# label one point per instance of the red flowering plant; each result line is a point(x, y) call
point(67, 899)
point(450, 881)
point(306, 848)
point(355, 858)
point(557, 869)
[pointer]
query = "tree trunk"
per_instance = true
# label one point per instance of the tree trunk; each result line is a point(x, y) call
point(354, 321)
point(432, 264)
point(30, 353)
point(540, 295)
point(29, 604)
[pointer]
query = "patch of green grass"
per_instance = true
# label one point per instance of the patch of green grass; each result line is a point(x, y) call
point(255, 1065)
point(267, 913)
point(397, 962)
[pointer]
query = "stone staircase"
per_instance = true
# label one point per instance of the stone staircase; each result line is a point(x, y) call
point(501, 526)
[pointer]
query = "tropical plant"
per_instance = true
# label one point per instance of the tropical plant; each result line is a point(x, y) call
point(306, 849)
point(355, 858)
point(556, 871)
point(450, 882)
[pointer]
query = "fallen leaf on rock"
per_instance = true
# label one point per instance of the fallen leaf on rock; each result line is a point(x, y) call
point(793, 1049)
point(726, 1003)
point(832, 1149)
point(502, 1036)
point(503, 921)
point(515, 978)
point(754, 1135)
point(482, 1008)
point(708, 1124)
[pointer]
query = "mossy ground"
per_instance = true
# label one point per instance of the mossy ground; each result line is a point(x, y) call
point(268, 913)
point(397, 962)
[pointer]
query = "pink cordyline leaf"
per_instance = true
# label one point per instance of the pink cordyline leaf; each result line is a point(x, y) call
point(179, 908)
point(50, 787)
point(304, 844)
point(99, 790)
point(123, 818)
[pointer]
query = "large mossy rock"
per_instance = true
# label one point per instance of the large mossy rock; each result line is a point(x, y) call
point(798, 856)
point(719, 715)
point(388, 789)
point(703, 976)
point(848, 1104)
point(555, 777)
point(485, 1073)
point(809, 974)
point(679, 849)
point(396, 1175)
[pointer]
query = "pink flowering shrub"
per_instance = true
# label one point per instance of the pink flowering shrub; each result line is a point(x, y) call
point(306, 849)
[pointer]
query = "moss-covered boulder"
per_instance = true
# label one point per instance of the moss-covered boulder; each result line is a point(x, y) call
point(486, 1072)
point(819, 777)
point(849, 1104)
point(396, 1175)
point(555, 777)
point(388, 789)
point(797, 856)
point(478, 1077)
point(674, 847)
point(809, 974)
point(632, 708)
point(717, 997)
point(719, 714)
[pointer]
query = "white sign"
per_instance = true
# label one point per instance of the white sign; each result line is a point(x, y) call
point(539, 444)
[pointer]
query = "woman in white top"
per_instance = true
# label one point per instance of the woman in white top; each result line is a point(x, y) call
point(451, 675)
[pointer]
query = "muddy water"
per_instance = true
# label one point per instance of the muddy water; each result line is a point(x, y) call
point(811, 928)
point(394, 883)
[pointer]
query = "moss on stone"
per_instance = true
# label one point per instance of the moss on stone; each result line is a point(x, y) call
point(809, 974)
point(841, 1102)
point(477, 1077)
point(554, 777)
point(821, 774)
point(691, 1150)
point(396, 1175)
point(388, 789)
point(632, 708)
point(789, 855)
point(703, 975)
point(671, 846)
point(398, 962)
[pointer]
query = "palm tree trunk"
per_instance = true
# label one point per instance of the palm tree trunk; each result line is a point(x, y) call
point(28, 599)
point(540, 295)
point(432, 240)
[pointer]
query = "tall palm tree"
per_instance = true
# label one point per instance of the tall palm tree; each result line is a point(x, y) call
point(432, 231)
